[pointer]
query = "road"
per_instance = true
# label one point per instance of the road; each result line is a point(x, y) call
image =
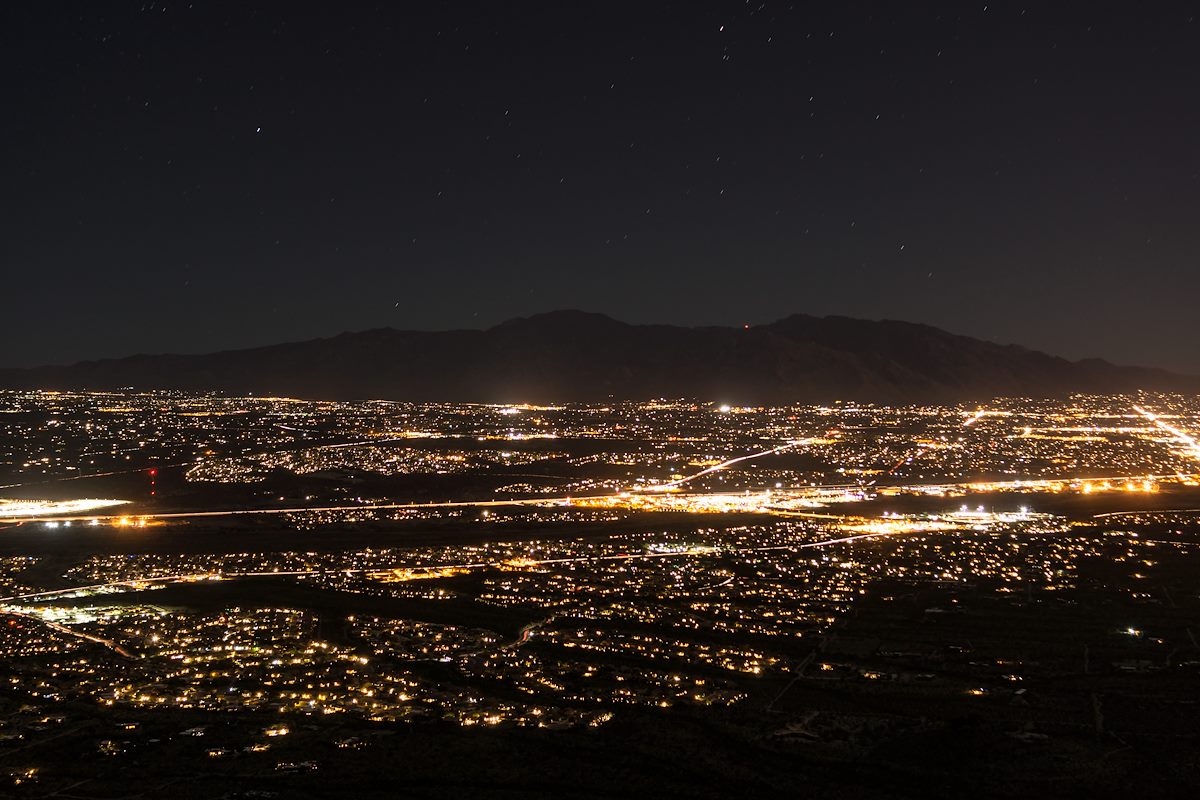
point(1189, 442)
point(663, 487)
point(63, 629)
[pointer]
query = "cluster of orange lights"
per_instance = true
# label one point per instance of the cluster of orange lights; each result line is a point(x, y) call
point(134, 522)
point(405, 574)
point(519, 563)
point(1145, 486)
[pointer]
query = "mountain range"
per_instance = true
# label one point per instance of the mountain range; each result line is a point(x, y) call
point(566, 356)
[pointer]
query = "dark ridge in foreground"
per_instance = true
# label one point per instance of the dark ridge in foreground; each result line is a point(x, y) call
point(568, 356)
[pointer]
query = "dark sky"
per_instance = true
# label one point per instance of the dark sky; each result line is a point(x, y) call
point(189, 176)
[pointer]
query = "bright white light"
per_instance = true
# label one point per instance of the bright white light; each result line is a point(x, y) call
point(1189, 442)
point(52, 508)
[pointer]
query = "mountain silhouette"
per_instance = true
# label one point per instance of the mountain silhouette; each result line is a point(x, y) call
point(566, 356)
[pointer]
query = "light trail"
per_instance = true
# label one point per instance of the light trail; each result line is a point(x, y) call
point(1189, 442)
point(135, 584)
point(63, 629)
point(973, 418)
point(132, 518)
point(306, 509)
point(1147, 511)
point(22, 509)
point(662, 487)
point(64, 478)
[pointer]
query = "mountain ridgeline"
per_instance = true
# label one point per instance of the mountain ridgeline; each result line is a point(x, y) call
point(569, 356)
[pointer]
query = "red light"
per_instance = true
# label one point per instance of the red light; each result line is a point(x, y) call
point(153, 472)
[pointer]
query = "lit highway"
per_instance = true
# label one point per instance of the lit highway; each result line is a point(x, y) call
point(770, 505)
point(63, 629)
point(1189, 442)
point(662, 487)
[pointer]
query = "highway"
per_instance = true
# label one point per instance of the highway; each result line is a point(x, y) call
point(1039, 484)
point(1147, 511)
point(63, 629)
point(663, 487)
point(299, 510)
point(1189, 442)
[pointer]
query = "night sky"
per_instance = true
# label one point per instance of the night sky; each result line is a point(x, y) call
point(186, 177)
